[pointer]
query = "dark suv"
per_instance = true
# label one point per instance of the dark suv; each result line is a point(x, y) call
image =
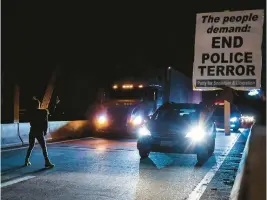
point(176, 128)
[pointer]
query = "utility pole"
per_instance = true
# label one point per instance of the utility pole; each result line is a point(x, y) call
point(167, 85)
point(16, 104)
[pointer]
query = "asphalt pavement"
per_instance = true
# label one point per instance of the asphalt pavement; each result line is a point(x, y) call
point(94, 168)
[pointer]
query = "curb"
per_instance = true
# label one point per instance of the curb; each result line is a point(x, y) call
point(241, 171)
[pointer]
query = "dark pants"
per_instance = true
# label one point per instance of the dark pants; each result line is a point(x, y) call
point(41, 141)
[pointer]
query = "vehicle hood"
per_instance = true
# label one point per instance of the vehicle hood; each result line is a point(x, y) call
point(165, 128)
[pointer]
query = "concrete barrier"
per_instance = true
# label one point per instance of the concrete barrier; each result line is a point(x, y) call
point(250, 182)
point(10, 136)
point(67, 130)
point(53, 127)
point(24, 129)
point(240, 172)
point(18, 134)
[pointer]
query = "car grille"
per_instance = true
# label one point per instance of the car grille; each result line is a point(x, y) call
point(118, 116)
point(172, 135)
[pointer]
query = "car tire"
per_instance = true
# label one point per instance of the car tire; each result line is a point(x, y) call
point(143, 154)
point(211, 146)
point(144, 146)
point(203, 156)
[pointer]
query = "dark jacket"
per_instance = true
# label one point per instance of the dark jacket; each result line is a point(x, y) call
point(38, 121)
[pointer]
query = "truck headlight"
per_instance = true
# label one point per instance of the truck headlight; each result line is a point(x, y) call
point(233, 119)
point(143, 131)
point(196, 133)
point(137, 120)
point(102, 119)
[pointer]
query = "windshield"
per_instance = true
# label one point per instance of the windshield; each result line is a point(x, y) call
point(173, 114)
point(140, 94)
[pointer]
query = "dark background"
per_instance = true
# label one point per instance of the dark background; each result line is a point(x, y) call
point(95, 44)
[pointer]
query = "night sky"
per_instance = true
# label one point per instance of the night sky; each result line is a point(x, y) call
point(96, 44)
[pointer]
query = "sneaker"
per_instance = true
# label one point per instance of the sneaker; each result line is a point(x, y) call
point(49, 165)
point(27, 163)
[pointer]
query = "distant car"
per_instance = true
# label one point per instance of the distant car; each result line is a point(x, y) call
point(175, 128)
point(247, 121)
point(235, 117)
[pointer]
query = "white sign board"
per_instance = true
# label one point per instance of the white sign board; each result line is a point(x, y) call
point(228, 50)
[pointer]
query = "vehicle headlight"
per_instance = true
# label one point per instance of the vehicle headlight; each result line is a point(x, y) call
point(143, 131)
point(248, 118)
point(102, 119)
point(196, 134)
point(137, 120)
point(233, 119)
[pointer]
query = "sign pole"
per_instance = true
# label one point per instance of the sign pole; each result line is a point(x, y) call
point(227, 111)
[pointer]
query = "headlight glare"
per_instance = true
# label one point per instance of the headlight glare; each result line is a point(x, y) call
point(143, 131)
point(248, 118)
point(196, 134)
point(137, 120)
point(233, 119)
point(102, 119)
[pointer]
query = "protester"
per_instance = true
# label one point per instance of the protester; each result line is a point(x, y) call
point(39, 124)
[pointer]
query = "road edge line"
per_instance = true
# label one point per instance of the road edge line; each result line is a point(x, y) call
point(199, 190)
point(17, 180)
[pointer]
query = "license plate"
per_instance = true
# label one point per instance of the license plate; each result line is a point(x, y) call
point(166, 143)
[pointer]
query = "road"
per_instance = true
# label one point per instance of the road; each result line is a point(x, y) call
point(94, 168)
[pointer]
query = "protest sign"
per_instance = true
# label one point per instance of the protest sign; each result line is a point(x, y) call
point(228, 50)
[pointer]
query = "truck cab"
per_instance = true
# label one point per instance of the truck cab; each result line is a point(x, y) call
point(126, 105)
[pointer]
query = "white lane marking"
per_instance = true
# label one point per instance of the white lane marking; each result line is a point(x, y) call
point(201, 187)
point(50, 143)
point(16, 181)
